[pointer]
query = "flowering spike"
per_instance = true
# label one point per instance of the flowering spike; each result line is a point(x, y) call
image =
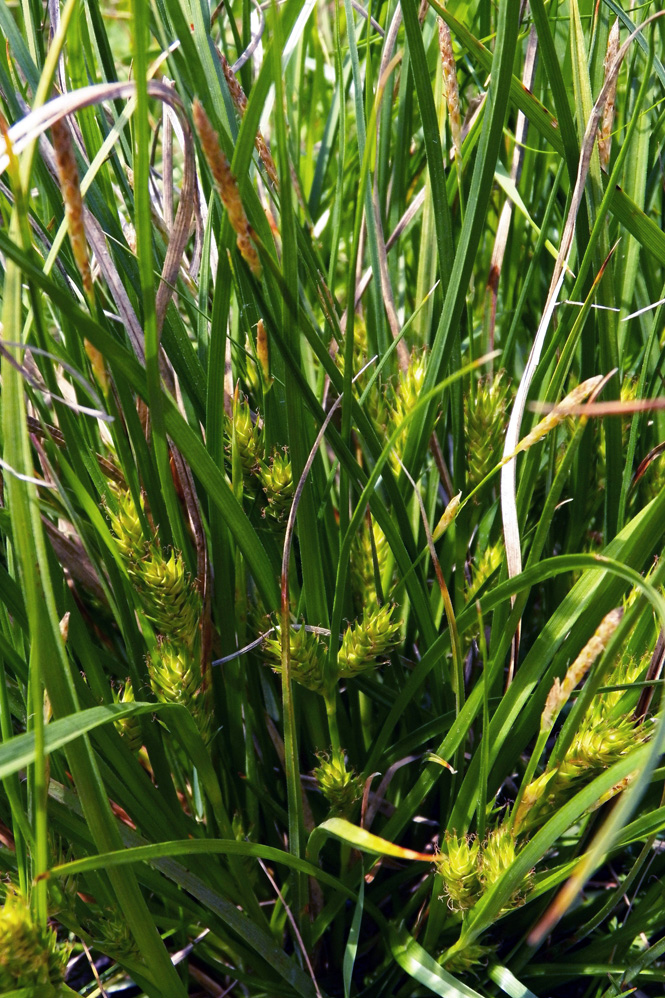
point(227, 187)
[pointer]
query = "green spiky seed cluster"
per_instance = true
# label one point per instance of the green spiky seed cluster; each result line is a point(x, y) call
point(368, 639)
point(460, 961)
point(458, 865)
point(307, 657)
point(277, 482)
point(129, 727)
point(406, 395)
point(341, 787)
point(171, 601)
point(126, 525)
point(469, 868)
point(245, 435)
point(607, 733)
point(485, 425)
point(362, 566)
point(29, 954)
point(484, 566)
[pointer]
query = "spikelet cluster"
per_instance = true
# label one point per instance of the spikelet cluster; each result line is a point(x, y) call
point(458, 864)
point(245, 438)
point(460, 961)
point(341, 787)
point(29, 955)
point(171, 601)
point(362, 565)
point(227, 187)
point(277, 481)
point(170, 598)
point(406, 395)
point(607, 732)
point(113, 936)
point(561, 691)
point(129, 728)
point(175, 677)
point(367, 640)
point(68, 176)
point(485, 427)
point(483, 568)
point(307, 655)
point(469, 867)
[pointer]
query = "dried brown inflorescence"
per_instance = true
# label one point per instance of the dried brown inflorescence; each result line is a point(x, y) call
point(68, 176)
point(227, 187)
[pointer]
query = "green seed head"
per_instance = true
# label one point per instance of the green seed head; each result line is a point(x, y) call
point(175, 677)
point(29, 955)
point(245, 435)
point(129, 727)
point(126, 525)
point(498, 855)
point(169, 597)
point(277, 481)
point(363, 578)
point(485, 424)
point(406, 395)
point(459, 961)
point(368, 639)
point(341, 787)
point(307, 657)
point(458, 864)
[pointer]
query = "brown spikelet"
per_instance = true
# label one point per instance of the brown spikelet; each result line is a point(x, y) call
point(450, 87)
point(227, 186)
point(71, 194)
point(561, 691)
point(605, 130)
point(240, 101)
point(559, 413)
point(262, 353)
point(68, 176)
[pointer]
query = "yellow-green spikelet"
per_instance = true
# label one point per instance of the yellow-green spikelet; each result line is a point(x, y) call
point(29, 955)
point(307, 657)
point(484, 426)
point(175, 676)
point(367, 640)
point(458, 865)
point(170, 598)
point(341, 787)
point(126, 525)
point(362, 566)
point(248, 438)
point(129, 728)
point(277, 481)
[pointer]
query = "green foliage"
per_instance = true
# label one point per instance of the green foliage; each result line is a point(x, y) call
point(247, 638)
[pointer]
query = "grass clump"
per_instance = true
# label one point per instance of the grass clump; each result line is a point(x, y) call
point(331, 527)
